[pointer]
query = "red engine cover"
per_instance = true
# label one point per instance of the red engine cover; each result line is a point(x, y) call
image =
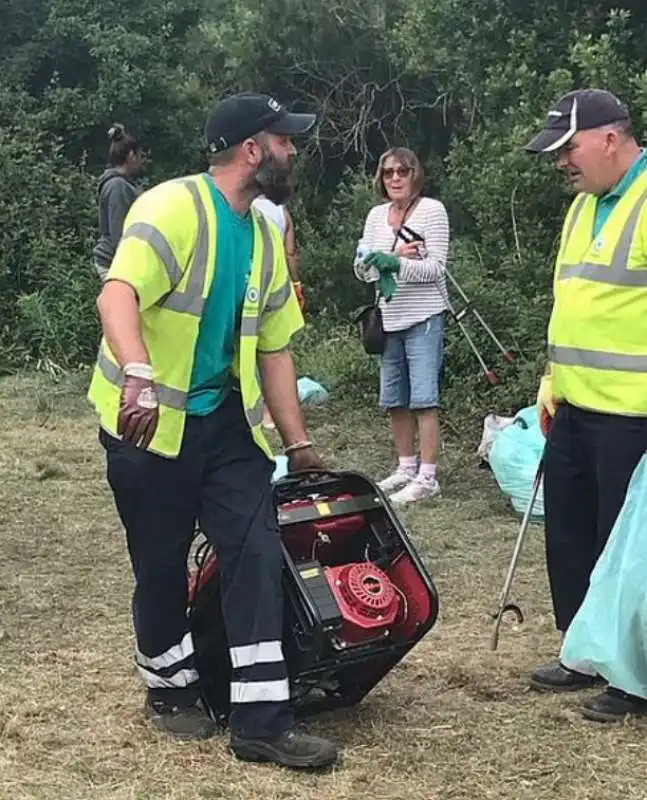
point(322, 538)
point(368, 601)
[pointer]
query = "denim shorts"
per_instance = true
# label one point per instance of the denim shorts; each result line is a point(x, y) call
point(412, 365)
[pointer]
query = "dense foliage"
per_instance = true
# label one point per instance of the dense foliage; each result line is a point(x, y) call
point(463, 82)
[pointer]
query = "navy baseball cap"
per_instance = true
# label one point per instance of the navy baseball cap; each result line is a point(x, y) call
point(580, 110)
point(240, 116)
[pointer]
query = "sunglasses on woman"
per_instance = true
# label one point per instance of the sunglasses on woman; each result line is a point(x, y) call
point(401, 172)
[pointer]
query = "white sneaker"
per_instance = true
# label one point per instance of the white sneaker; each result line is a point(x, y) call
point(416, 490)
point(398, 480)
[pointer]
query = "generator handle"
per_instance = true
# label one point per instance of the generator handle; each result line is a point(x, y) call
point(306, 476)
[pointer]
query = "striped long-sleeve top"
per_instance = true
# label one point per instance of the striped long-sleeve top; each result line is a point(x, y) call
point(421, 288)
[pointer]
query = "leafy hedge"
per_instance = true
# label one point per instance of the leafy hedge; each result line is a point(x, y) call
point(463, 82)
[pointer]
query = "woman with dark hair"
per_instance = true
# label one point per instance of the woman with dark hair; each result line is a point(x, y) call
point(405, 244)
point(117, 192)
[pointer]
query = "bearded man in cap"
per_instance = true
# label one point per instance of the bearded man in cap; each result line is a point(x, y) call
point(198, 311)
point(593, 399)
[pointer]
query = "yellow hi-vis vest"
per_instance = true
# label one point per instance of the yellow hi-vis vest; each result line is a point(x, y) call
point(168, 255)
point(597, 335)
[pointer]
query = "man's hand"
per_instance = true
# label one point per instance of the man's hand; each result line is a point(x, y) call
point(303, 460)
point(139, 406)
point(545, 421)
point(298, 290)
point(546, 404)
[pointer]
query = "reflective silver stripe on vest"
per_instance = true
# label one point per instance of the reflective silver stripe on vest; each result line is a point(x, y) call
point(267, 265)
point(579, 357)
point(150, 234)
point(255, 413)
point(279, 298)
point(191, 301)
point(617, 274)
point(173, 398)
point(579, 207)
point(249, 325)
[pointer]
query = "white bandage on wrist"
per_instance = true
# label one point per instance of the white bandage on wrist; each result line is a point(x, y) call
point(148, 399)
point(139, 370)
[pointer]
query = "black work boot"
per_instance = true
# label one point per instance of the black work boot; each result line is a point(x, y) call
point(555, 677)
point(614, 705)
point(182, 722)
point(290, 749)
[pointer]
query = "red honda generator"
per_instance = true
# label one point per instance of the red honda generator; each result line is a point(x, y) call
point(357, 596)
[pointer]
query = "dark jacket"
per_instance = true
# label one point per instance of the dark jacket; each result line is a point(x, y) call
point(116, 195)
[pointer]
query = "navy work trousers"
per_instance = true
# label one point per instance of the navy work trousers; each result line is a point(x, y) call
point(222, 481)
point(590, 458)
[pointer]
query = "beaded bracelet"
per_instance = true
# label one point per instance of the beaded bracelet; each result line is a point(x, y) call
point(297, 446)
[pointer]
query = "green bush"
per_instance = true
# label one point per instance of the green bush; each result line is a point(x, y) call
point(463, 82)
point(47, 283)
point(332, 354)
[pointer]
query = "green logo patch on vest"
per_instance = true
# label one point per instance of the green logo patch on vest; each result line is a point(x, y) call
point(252, 294)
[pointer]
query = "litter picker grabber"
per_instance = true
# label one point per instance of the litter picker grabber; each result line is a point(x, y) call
point(508, 355)
point(409, 235)
point(504, 605)
point(491, 376)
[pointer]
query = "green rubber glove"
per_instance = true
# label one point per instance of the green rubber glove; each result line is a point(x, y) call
point(384, 262)
point(387, 285)
point(387, 265)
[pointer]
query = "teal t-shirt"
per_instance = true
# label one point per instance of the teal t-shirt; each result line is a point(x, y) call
point(609, 201)
point(211, 379)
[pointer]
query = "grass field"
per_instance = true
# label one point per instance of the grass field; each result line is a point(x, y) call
point(453, 722)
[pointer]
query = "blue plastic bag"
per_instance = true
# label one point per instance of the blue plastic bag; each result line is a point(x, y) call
point(608, 635)
point(281, 468)
point(311, 392)
point(514, 458)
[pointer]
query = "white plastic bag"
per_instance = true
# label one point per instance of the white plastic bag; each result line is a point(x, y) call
point(492, 425)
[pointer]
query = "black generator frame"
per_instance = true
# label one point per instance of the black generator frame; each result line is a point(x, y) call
point(321, 678)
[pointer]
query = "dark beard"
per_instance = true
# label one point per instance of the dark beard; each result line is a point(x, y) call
point(274, 179)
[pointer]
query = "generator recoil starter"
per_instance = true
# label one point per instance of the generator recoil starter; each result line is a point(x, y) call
point(368, 601)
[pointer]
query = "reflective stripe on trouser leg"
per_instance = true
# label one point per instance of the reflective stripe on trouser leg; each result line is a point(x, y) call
point(259, 689)
point(238, 516)
point(259, 673)
point(157, 499)
point(172, 669)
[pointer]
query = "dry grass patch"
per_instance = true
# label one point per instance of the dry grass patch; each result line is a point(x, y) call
point(453, 722)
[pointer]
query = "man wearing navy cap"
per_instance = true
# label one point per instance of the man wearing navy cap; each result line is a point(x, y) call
point(198, 312)
point(593, 399)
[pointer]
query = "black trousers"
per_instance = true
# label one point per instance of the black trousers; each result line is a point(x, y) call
point(222, 480)
point(590, 458)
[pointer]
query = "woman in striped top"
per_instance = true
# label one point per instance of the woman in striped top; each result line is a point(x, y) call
point(413, 318)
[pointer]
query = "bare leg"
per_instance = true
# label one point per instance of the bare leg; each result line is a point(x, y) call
point(403, 427)
point(429, 432)
point(424, 485)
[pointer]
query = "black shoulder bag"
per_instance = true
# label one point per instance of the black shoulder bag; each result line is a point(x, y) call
point(370, 317)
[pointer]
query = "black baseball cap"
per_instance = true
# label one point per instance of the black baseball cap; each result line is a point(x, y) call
point(580, 110)
point(240, 116)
